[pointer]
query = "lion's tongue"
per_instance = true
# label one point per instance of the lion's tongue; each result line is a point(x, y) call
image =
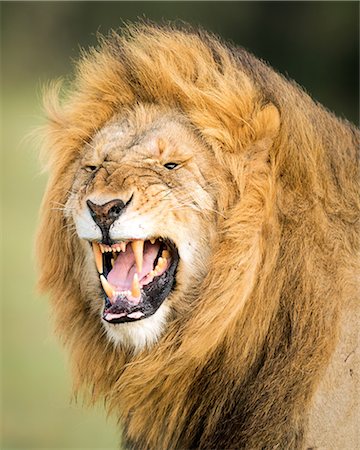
point(122, 274)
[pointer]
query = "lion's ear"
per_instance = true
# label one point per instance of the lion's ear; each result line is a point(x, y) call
point(249, 165)
point(266, 126)
point(267, 122)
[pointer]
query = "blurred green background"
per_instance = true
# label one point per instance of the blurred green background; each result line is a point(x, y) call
point(316, 43)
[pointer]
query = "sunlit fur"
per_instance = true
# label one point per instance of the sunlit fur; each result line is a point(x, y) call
point(247, 346)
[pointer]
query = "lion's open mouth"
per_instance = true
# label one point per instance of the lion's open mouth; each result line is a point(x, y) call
point(136, 277)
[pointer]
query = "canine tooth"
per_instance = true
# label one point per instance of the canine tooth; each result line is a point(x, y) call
point(102, 248)
point(138, 247)
point(135, 286)
point(112, 262)
point(135, 315)
point(159, 266)
point(161, 263)
point(152, 241)
point(109, 290)
point(110, 316)
point(165, 254)
point(98, 257)
point(123, 246)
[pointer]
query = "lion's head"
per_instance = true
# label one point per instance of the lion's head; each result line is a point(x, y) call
point(147, 191)
point(144, 202)
point(185, 238)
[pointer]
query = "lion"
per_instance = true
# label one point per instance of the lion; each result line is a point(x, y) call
point(199, 239)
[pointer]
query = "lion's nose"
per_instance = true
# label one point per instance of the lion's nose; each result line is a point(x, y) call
point(104, 215)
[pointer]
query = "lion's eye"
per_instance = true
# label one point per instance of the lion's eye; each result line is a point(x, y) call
point(90, 168)
point(171, 165)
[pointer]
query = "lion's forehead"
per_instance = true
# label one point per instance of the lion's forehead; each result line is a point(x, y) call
point(154, 135)
point(113, 136)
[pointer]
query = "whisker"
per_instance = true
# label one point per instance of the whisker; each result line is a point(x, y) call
point(58, 203)
point(61, 209)
point(196, 208)
point(69, 226)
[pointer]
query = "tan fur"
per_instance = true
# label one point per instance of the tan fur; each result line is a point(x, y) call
point(248, 343)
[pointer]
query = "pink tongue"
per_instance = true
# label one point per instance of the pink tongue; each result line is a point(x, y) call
point(122, 273)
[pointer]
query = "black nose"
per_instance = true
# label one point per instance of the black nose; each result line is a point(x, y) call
point(106, 214)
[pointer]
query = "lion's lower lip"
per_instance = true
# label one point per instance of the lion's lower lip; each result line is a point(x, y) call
point(130, 295)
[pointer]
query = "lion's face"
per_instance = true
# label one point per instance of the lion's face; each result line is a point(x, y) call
point(142, 203)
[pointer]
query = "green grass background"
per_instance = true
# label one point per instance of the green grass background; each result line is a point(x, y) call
point(36, 407)
point(316, 43)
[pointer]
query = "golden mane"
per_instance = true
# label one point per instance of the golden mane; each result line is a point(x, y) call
point(242, 370)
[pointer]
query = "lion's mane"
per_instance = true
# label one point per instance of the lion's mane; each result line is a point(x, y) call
point(241, 371)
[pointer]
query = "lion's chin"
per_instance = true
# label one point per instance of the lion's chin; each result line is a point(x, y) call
point(136, 336)
point(136, 277)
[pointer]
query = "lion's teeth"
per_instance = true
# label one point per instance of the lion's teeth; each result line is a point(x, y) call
point(109, 291)
point(135, 286)
point(110, 316)
point(98, 256)
point(138, 247)
point(123, 246)
point(165, 254)
point(161, 263)
point(112, 262)
point(152, 241)
point(135, 315)
point(160, 266)
point(101, 248)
